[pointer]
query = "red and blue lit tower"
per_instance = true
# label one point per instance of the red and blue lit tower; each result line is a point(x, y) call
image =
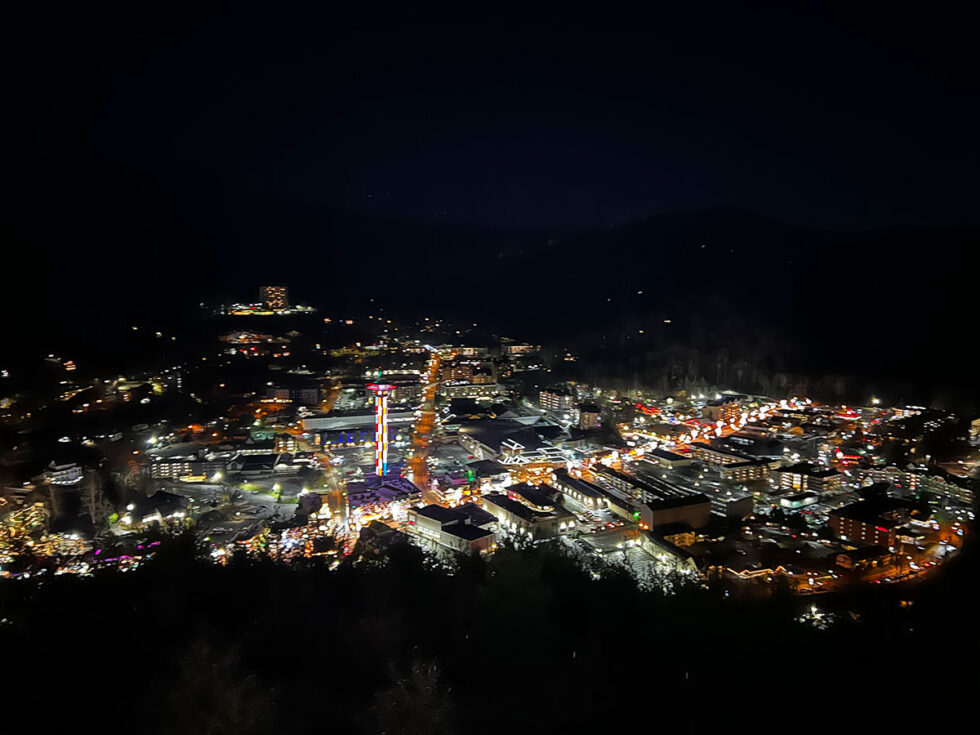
point(381, 392)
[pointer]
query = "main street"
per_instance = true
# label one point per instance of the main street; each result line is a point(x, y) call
point(422, 431)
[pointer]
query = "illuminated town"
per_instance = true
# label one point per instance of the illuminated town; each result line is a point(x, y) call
point(460, 442)
point(490, 369)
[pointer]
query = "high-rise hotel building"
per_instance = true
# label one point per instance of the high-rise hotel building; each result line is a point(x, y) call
point(275, 298)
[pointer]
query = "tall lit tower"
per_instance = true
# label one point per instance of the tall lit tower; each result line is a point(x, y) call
point(381, 392)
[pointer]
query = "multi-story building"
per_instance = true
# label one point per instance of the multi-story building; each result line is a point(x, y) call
point(875, 521)
point(589, 416)
point(725, 409)
point(513, 348)
point(65, 473)
point(275, 298)
point(907, 411)
point(581, 491)
point(185, 469)
point(752, 441)
point(466, 529)
point(752, 469)
point(449, 351)
point(652, 501)
point(467, 370)
point(715, 456)
point(630, 486)
point(303, 395)
point(557, 400)
point(693, 511)
point(519, 518)
point(867, 557)
point(471, 390)
point(487, 474)
point(668, 459)
point(805, 476)
point(916, 481)
point(406, 387)
point(286, 443)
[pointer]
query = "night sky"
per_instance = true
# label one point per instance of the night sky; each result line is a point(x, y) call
point(513, 119)
point(444, 159)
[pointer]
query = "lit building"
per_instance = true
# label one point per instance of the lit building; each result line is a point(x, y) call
point(381, 392)
point(355, 427)
point(917, 481)
point(508, 442)
point(712, 455)
point(867, 557)
point(487, 474)
point(693, 510)
point(588, 416)
point(471, 390)
point(67, 473)
point(521, 349)
point(286, 443)
point(184, 469)
point(722, 409)
point(805, 476)
point(652, 501)
point(406, 387)
point(467, 370)
point(557, 400)
point(907, 411)
point(800, 500)
point(308, 395)
point(275, 298)
point(449, 351)
point(752, 469)
point(466, 529)
point(581, 491)
point(524, 517)
point(380, 498)
point(875, 521)
point(668, 459)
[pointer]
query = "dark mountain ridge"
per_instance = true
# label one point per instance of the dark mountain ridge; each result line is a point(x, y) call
point(894, 305)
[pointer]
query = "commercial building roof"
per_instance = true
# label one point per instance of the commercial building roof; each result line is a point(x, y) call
point(352, 420)
point(581, 486)
point(373, 489)
point(810, 470)
point(486, 468)
point(518, 509)
point(669, 456)
point(532, 495)
point(677, 502)
point(494, 432)
point(439, 514)
point(477, 516)
point(467, 532)
point(882, 511)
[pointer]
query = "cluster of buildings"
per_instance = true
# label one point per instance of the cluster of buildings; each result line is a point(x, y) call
point(308, 447)
point(273, 300)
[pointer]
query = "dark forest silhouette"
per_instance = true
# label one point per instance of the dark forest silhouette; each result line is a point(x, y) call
point(527, 641)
